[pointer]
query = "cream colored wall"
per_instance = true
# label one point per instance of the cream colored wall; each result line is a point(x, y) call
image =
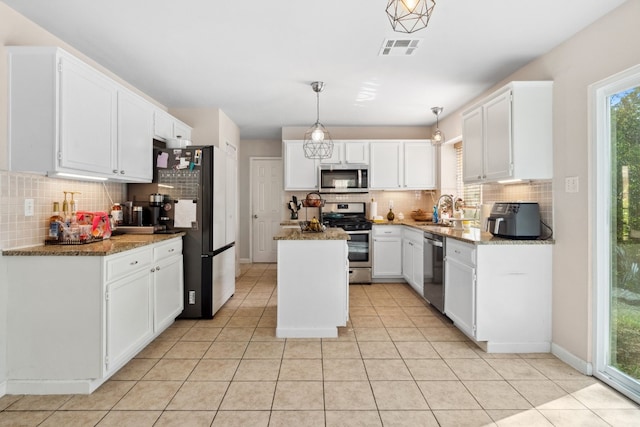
point(603, 49)
point(363, 132)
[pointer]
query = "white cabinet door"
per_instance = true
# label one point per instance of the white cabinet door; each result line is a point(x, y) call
point(419, 165)
point(473, 146)
point(129, 317)
point(497, 137)
point(337, 155)
point(407, 261)
point(460, 301)
point(356, 152)
point(300, 173)
point(162, 125)
point(417, 274)
point(135, 138)
point(168, 292)
point(386, 161)
point(387, 257)
point(87, 118)
point(181, 130)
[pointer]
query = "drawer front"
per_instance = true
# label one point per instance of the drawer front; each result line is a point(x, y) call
point(387, 231)
point(462, 252)
point(120, 265)
point(167, 249)
point(411, 234)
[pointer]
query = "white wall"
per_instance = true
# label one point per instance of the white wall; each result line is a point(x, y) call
point(606, 47)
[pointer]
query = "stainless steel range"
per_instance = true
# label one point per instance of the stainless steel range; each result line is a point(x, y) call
point(352, 218)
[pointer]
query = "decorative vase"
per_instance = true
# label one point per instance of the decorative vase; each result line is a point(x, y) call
point(390, 215)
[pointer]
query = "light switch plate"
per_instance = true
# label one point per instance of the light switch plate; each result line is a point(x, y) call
point(28, 207)
point(571, 184)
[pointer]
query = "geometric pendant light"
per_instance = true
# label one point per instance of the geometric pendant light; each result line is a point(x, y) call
point(317, 141)
point(408, 16)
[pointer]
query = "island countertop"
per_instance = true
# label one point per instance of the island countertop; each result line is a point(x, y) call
point(113, 245)
point(296, 234)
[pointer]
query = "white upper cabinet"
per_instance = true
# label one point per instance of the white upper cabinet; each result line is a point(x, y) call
point(508, 135)
point(348, 153)
point(65, 117)
point(300, 173)
point(419, 165)
point(135, 124)
point(166, 127)
point(402, 165)
point(386, 165)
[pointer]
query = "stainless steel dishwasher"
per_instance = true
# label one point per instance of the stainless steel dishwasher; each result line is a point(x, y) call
point(434, 270)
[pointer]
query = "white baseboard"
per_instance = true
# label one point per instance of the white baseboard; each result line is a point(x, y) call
point(53, 387)
point(570, 359)
point(3, 388)
point(245, 261)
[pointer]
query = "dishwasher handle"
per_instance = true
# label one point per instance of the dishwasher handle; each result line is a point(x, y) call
point(436, 243)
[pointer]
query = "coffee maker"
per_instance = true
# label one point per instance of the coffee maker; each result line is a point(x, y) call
point(159, 212)
point(157, 208)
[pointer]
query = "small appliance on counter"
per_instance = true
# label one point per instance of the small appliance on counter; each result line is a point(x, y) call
point(515, 220)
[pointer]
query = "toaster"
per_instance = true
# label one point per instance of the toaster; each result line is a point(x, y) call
point(515, 220)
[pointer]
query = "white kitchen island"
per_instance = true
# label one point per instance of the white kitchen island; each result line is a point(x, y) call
point(313, 283)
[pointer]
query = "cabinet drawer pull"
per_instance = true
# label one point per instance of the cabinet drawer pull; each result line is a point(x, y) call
point(158, 268)
point(133, 262)
point(153, 270)
point(172, 249)
point(115, 171)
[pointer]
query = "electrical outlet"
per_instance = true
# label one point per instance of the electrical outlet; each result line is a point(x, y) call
point(571, 184)
point(192, 297)
point(28, 207)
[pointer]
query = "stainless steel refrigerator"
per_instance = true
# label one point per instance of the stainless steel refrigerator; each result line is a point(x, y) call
point(194, 179)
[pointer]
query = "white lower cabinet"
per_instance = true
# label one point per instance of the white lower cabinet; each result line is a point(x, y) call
point(460, 286)
point(168, 283)
point(500, 294)
point(387, 251)
point(412, 262)
point(129, 317)
point(75, 320)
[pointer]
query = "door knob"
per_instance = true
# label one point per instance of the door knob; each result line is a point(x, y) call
point(255, 216)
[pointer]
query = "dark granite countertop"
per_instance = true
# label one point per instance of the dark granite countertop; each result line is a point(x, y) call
point(472, 235)
point(113, 245)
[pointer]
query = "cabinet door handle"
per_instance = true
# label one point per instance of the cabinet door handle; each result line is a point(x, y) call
point(133, 262)
point(172, 249)
point(456, 251)
point(115, 171)
point(153, 270)
point(158, 268)
point(121, 172)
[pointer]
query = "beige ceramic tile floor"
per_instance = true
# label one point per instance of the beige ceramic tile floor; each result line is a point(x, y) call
point(398, 363)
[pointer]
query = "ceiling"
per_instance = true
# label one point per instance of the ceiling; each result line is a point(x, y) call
point(255, 59)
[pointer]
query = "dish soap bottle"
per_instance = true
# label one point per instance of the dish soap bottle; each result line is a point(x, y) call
point(435, 214)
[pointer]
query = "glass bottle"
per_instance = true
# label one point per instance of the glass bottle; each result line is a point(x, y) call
point(55, 221)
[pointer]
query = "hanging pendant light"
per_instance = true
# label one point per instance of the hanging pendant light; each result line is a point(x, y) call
point(317, 141)
point(437, 137)
point(408, 16)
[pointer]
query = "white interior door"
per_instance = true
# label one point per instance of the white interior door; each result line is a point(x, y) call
point(266, 207)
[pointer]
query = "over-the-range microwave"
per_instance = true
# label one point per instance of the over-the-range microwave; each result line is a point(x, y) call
point(344, 179)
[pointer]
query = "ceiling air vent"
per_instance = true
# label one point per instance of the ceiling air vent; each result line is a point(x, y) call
point(399, 47)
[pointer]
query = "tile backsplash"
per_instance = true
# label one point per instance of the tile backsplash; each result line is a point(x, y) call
point(18, 230)
point(407, 201)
